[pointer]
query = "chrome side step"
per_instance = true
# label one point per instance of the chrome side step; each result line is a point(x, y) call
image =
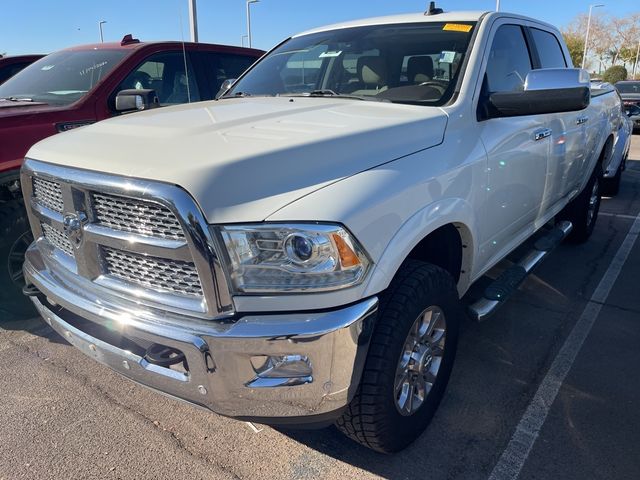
point(509, 280)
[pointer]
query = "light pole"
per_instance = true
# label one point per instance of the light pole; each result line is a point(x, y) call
point(586, 38)
point(100, 27)
point(193, 21)
point(497, 5)
point(249, 2)
point(636, 64)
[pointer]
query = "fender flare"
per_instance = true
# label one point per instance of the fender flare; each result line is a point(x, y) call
point(454, 211)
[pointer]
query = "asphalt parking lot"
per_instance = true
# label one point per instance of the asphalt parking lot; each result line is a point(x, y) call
point(547, 388)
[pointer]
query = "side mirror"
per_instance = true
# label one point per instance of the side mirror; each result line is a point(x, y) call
point(225, 87)
point(550, 90)
point(132, 100)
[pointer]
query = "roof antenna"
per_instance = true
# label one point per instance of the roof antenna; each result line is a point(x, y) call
point(184, 58)
point(432, 10)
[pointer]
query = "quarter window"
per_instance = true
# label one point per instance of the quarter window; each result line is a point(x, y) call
point(509, 61)
point(223, 66)
point(549, 50)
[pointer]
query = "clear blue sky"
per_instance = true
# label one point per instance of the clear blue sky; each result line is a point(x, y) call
point(34, 26)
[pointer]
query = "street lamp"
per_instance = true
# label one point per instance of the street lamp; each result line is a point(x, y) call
point(249, 2)
point(193, 21)
point(586, 39)
point(100, 27)
point(636, 63)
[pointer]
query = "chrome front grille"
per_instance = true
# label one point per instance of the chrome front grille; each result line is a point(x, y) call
point(160, 274)
point(57, 239)
point(48, 194)
point(129, 238)
point(136, 216)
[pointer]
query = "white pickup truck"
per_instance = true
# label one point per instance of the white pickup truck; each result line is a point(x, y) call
point(295, 253)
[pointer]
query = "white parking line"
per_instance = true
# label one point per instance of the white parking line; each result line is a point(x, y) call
point(517, 451)
point(617, 215)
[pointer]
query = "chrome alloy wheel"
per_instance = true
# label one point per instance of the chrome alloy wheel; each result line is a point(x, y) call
point(420, 360)
point(593, 202)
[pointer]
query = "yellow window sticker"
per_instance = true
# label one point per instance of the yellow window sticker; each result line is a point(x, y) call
point(457, 27)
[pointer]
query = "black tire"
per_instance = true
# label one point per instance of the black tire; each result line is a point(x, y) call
point(581, 212)
point(373, 418)
point(611, 186)
point(15, 237)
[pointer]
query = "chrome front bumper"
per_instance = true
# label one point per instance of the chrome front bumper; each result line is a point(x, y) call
point(271, 368)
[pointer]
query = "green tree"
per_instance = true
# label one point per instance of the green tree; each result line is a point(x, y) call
point(575, 44)
point(615, 74)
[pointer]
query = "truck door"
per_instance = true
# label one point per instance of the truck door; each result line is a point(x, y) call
point(567, 140)
point(517, 147)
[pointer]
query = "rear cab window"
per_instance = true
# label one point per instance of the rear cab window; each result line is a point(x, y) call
point(548, 49)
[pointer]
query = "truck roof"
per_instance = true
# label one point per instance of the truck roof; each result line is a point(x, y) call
point(134, 45)
point(461, 16)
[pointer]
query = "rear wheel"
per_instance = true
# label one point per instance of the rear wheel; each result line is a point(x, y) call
point(15, 238)
point(611, 186)
point(410, 359)
point(583, 210)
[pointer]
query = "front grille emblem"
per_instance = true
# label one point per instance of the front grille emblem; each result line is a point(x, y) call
point(73, 223)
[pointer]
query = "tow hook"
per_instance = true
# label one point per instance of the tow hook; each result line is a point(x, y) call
point(32, 291)
point(164, 356)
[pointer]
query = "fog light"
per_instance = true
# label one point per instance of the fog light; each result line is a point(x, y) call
point(281, 370)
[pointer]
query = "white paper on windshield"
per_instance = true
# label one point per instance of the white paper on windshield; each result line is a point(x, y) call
point(330, 54)
point(447, 57)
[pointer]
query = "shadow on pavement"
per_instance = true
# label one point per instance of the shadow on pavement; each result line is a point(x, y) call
point(331, 442)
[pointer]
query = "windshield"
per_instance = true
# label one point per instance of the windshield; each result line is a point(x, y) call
point(404, 63)
point(628, 87)
point(62, 77)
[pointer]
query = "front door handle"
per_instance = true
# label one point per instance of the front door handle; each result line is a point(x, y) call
point(540, 134)
point(581, 120)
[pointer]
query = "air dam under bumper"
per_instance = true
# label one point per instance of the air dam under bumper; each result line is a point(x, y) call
point(277, 368)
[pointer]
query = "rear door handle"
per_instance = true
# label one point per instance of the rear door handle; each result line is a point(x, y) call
point(540, 134)
point(581, 120)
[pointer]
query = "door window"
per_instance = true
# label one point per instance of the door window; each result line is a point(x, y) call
point(509, 60)
point(165, 73)
point(549, 50)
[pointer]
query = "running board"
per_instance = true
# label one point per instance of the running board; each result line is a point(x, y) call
point(509, 280)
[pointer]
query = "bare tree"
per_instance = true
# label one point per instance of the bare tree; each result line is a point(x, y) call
point(611, 40)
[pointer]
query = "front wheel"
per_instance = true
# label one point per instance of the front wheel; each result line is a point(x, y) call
point(410, 359)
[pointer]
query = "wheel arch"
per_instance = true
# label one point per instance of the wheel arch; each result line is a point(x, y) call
point(433, 236)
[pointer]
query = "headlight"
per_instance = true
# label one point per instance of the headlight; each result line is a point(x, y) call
point(280, 258)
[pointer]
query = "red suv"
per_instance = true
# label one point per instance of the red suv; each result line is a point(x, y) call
point(79, 86)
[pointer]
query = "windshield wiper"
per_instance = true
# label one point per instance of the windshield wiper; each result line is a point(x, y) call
point(326, 92)
point(18, 99)
point(235, 95)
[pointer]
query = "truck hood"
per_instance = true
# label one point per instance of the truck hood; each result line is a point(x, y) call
point(243, 159)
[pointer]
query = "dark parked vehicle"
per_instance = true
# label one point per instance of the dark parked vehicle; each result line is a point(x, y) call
point(633, 112)
point(9, 66)
point(629, 91)
point(79, 86)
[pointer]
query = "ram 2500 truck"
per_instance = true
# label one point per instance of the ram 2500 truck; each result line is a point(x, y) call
point(296, 251)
